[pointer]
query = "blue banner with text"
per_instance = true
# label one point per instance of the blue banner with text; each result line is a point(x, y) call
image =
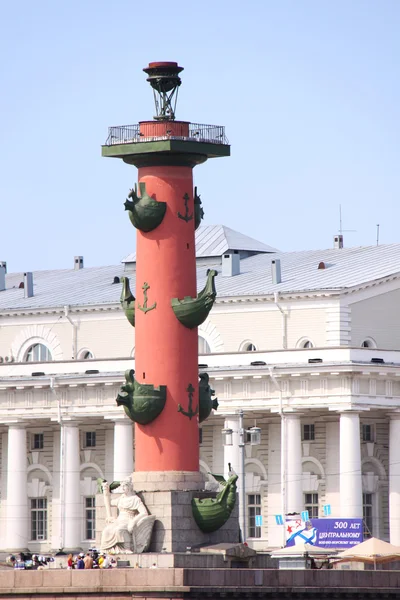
point(325, 533)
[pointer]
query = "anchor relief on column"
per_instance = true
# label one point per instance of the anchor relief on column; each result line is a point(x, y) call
point(144, 308)
point(205, 404)
point(186, 217)
point(190, 412)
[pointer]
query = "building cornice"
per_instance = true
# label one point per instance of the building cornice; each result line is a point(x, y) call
point(301, 359)
point(59, 310)
point(237, 365)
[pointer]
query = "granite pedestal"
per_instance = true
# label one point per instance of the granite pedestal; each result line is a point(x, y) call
point(168, 496)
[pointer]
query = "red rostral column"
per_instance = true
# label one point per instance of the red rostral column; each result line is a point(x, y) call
point(166, 351)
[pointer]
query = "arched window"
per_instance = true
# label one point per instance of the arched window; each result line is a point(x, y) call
point(204, 348)
point(85, 354)
point(38, 353)
point(250, 347)
point(247, 346)
point(368, 343)
point(304, 342)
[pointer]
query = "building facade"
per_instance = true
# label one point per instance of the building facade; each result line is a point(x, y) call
point(305, 343)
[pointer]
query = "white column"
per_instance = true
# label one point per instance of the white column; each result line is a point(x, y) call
point(71, 501)
point(233, 456)
point(123, 449)
point(332, 466)
point(294, 469)
point(394, 479)
point(350, 466)
point(17, 497)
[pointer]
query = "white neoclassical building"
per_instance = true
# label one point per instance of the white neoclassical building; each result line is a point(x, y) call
point(305, 343)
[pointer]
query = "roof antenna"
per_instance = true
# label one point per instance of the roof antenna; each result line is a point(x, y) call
point(377, 234)
point(341, 230)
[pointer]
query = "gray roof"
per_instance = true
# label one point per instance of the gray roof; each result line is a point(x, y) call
point(215, 240)
point(345, 268)
point(93, 285)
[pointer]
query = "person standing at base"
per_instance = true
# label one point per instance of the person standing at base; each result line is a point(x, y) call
point(106, 562)
point(20, 562)
point(88, 561)
point(80, 564)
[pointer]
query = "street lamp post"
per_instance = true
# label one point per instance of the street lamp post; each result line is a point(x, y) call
point(255, 440)
point(242, 492)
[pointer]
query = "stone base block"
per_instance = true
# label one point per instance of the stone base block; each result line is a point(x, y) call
point(154, 481)
point(212, 559)
point(175, 529)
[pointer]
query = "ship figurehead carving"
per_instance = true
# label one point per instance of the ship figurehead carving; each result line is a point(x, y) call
point(206, 402)
point(128, 301)
point(142, 402)
point(192, 312)
point(198, 210)
point(145, 213)
point(211, 514)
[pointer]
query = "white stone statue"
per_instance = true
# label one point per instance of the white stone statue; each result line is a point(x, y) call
point(131, 531)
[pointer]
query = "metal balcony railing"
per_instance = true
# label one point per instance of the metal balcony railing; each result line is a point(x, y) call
point(130, 134)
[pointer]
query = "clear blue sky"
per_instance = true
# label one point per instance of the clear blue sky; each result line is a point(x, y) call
point(308, 90)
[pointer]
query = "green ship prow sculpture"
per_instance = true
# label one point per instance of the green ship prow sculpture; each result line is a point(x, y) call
point(142, 402)
point(206, 402)
point(192, 312)
point(145, 213)
point(198, 210)
point(211, 514)
point(128, 301)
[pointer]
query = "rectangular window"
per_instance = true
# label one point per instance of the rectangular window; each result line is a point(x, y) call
point(311, 504)
point(90, 439)
point(39, 519)
point(90, 518)
point(253, 509)
point(367, 515)
point(367, 432)
point(200, 436)
point(38, 441)
point(308, 432)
